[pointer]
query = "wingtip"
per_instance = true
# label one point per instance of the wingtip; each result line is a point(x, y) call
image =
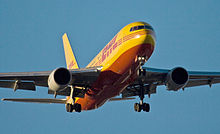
point(3, 99)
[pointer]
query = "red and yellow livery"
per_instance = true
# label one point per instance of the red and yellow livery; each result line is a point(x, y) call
point(119, 59)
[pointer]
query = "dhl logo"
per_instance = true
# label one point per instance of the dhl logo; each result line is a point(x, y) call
point(71, 64)
point(112, 45)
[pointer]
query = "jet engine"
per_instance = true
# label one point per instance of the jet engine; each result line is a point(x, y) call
point(176, 79)
point(59, 79)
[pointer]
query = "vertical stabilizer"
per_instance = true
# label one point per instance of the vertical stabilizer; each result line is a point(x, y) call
point(71, 62)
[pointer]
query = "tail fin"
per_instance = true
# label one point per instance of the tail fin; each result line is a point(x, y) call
point(71, 62)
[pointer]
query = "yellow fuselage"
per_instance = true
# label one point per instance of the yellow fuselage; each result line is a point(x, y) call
point(119, 59)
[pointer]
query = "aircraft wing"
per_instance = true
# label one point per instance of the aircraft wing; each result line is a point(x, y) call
point(155, 77)
point(28, 80)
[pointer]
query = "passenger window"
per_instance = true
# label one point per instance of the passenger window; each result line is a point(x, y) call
point(131, 29)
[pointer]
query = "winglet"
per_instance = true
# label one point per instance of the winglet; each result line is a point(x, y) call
point(71, 62)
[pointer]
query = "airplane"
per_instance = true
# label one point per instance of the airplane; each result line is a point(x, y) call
point(117, 70)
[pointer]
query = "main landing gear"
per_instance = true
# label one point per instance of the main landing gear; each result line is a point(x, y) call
point(71, 105)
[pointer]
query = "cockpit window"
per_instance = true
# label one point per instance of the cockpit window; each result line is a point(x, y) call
point(141, 27)
point(149, 27)
point(135, 28)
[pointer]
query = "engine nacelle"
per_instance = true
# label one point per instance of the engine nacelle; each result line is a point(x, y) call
point(176, 79)
point(59, 79)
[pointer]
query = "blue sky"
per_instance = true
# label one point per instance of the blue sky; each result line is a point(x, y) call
point(187, 35)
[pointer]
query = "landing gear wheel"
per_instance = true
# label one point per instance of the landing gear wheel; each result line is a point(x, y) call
point(137, 107)
point(146, 107)
point(69, 107)
point(77, 107)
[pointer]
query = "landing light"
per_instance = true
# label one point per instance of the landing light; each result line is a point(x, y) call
point(137, 36)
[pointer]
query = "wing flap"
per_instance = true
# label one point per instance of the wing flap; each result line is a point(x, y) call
point(18, 85)
point(201, 82)
point(36, 100)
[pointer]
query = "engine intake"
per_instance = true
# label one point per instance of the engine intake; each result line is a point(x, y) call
point(59, 79)
point(177, 78)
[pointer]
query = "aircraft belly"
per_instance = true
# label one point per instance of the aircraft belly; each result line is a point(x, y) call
point(116, 78)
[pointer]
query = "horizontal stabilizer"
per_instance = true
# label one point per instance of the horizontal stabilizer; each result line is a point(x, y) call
point(120, 99)
point(37, 100)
